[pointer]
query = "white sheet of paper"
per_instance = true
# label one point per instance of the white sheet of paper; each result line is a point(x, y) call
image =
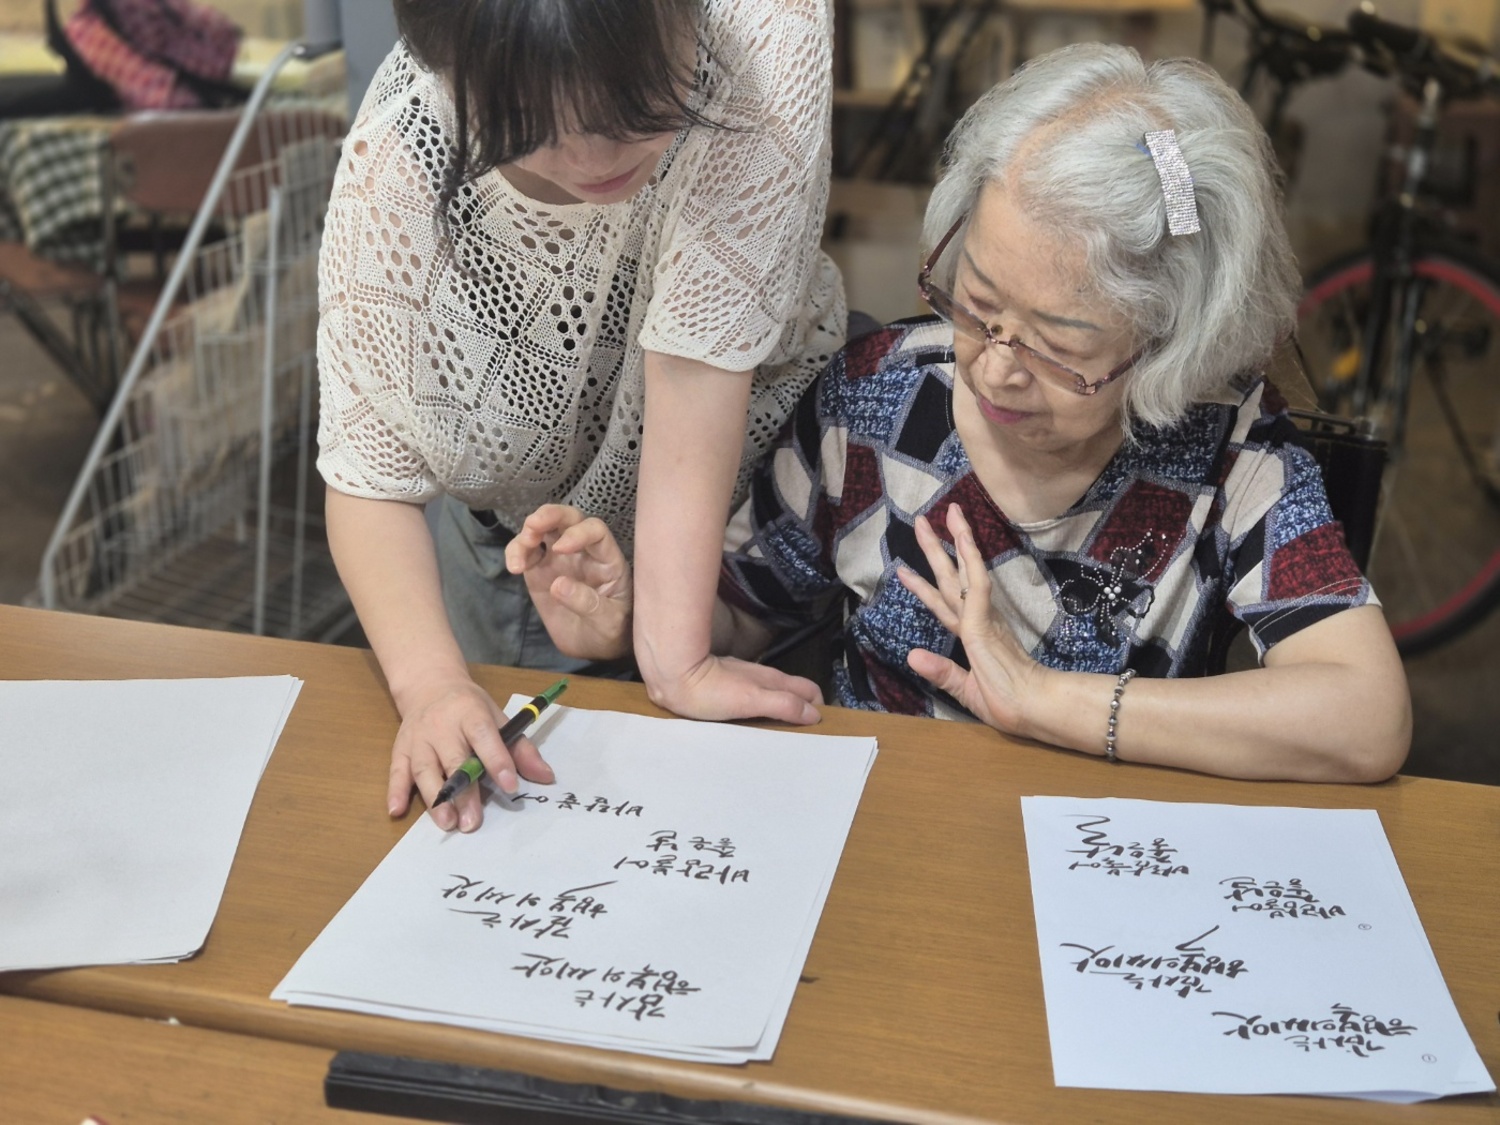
point(1241, 950)
point(660, 897)
point(121, 810)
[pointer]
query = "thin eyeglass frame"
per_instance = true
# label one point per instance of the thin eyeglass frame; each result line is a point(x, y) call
point(927, 289)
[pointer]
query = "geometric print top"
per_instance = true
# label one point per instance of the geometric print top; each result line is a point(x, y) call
point(1190, 533)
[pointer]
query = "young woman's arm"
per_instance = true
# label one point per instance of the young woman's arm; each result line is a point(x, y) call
point(385, 557)
point(694, 434)
point(1331, 703)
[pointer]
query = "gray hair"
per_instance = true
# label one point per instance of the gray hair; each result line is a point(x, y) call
point(1209, 306)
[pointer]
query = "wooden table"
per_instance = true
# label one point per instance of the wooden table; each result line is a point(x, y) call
point(921, 999)
point(62, 1064)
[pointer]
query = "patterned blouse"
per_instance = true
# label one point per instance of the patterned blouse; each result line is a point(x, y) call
point(1189, 534)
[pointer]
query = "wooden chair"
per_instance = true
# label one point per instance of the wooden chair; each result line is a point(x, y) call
point(27, 280)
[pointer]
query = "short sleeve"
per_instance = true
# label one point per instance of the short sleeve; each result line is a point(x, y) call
point(374, 266)
point(741, 248)
point(1288, 564)
point(360, 450)
point(777, 561)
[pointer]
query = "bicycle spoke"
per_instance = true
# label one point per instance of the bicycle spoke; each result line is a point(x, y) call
point(1471, 459)
point(1395, 533)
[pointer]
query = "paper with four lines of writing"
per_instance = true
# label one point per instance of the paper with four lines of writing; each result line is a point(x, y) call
point(1237, 949)
point(660, 897)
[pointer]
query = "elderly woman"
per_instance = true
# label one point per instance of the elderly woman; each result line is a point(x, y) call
point(1086, 425)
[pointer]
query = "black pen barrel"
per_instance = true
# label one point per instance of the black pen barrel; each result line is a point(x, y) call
point(516, 725)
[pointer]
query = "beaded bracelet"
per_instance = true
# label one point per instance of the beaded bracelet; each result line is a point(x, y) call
point(1114, 713)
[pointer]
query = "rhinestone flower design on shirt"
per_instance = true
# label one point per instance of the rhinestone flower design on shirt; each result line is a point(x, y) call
point(1110, 596)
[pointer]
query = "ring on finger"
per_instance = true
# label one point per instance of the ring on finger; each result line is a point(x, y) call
point(963, 594)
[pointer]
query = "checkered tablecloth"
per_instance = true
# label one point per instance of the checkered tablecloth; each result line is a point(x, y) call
point(51, 192)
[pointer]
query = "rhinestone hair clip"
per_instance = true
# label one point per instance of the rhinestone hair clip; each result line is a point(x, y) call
point(1176, 181)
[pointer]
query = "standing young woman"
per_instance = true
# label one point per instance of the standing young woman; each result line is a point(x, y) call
point(571, 256)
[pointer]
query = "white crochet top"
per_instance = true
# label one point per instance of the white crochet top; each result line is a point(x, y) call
point(500, 359)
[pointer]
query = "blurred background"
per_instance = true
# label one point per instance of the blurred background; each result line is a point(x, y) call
point(904, 71)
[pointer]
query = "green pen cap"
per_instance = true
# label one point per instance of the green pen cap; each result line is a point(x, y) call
point(551, 694)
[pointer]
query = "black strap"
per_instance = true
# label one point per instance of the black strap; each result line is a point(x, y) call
point(91, 91)
point(433, 1091)
point(1352, 465)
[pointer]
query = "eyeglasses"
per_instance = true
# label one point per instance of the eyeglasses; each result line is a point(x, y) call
point(971, 325)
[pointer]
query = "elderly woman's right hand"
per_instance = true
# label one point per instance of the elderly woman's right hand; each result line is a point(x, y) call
point(1002, 680)
point(579, 581)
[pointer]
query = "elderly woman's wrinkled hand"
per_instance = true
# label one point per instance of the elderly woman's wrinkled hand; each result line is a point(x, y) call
point(579, 581)
point(1001, 680)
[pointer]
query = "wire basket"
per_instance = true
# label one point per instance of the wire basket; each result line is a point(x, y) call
point(197, 504)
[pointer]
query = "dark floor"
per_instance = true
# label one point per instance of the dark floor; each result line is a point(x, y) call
point(46, 428)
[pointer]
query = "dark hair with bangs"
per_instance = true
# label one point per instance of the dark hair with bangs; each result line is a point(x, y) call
point(522, 69)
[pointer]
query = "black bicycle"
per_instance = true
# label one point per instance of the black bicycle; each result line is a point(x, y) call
point(1403, 334)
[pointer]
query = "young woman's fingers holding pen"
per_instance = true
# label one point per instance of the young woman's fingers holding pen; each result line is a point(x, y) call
point(516, 757)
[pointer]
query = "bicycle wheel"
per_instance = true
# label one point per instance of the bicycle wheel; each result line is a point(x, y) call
point(1435, 562)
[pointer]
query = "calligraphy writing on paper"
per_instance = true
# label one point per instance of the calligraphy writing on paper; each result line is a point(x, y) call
point(495, 907)
point(1274, 900)
point(1134, 858)
point(1344, 1030)
point(1183, 971)
point(667, 858)
point(641, 994)
point(571, 801)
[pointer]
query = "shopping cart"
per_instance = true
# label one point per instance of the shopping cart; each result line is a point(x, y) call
point(196, 503)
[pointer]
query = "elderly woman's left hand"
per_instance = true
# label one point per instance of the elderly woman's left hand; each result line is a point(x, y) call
point(1001, 680)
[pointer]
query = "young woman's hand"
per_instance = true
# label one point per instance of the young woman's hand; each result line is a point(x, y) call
point(724, 687)
point(443, 722)
point(385, 559)
point(1001, 678)
point(579, 581)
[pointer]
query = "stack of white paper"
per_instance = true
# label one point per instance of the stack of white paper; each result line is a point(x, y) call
point(1227, 949)
point(121, 810)
point(660, 897)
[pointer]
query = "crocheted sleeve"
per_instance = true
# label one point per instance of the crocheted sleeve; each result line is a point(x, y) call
point(741, 245)
point(375, 266)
